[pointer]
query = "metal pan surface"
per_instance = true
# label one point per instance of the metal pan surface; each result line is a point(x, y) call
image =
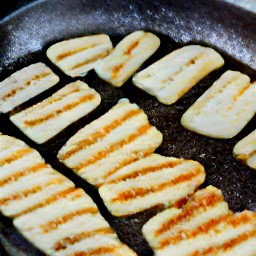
point(29, 30)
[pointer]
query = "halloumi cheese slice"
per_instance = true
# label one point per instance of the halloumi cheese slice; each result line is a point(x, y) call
point(77, 56)
point(204, 226)
point(71, 225)
point(127, 57)
point(245, 150)
point(224, 109)
point(25, 84)
point(175, 74)
point(46, 119)
point(26, 181)
point(118, 138)
point(152, 181)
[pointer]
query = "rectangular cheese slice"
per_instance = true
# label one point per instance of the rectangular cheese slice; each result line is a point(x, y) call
point(77, 56)
point(71, 225)
point(245, 150)
point(44, 120)
point(26, 181)
point(172, 76)
point(152, 181)
point(127, 57)
point(119, 137)
point(204, 226)
point(25, 84)
point(224, 109)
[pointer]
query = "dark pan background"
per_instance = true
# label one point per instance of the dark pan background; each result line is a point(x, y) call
point(26, 31)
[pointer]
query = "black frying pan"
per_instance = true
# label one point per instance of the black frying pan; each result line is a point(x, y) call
point(27, 33)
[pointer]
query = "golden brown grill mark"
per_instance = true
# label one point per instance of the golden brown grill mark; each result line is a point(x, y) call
point(88, 61)
point(54, 224)
point(116, 70)
point(25, 193)
point(135, 156)
point(201, 203)
point(241, 92)
point(62, 244)
point(97, 251)
point(15, 156)
point(148, 169)
point(244, 158)
point(74, 51)
point(131, 47)
point(113, 147)
point(13, 92)
point(57, 196)
point(142, 191)
point(16, 176)
point(213, 250)
point(65, 108)
point(190, 234)
point(99, 134)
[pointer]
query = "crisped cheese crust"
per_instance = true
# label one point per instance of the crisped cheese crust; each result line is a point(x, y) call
point(77, 56)
point(46, 119)
point(69, 226)
point(224, 109)
point(25, 84)
point(127, 57)
point(204, 226)
point(152, 181)
point(119, 137)
point(172, 76)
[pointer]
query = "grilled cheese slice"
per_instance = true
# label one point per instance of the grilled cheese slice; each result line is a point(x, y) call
point(224, 109)
point(77, 56)
point(204, 226)
point(119, 137)
point(127, 57)
point(69, 226)
point(172, 76)
point(25, 84)
point(149, 182)
point(245, 150)
point(46, 119)
point(26, 181)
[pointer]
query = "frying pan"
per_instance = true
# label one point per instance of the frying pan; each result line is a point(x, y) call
point(29, 29)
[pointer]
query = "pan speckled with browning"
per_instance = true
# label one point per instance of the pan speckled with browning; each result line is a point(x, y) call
point(27, 33)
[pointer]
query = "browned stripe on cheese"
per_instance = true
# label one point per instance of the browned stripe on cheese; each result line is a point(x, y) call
point(16, 176)
point(245, 157)
point(54, 224)
point(143, 191)
point(232, 243)
point(65, 108)
point(204, 228)
point(99, 134)
point(89, 61)
point(113, 147)
point(131, 47)
point(116, 70)
point(25, 193)
point(63, 243)
point(13, 92)
point(241, 92)
point(193, 207)
point(96, 251)
point(148, 169)
point(74, 51)
point(50, 200)
point(15, 156)
point(134, 157)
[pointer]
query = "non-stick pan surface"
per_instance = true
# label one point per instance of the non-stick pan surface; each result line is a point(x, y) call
point(27, 33)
